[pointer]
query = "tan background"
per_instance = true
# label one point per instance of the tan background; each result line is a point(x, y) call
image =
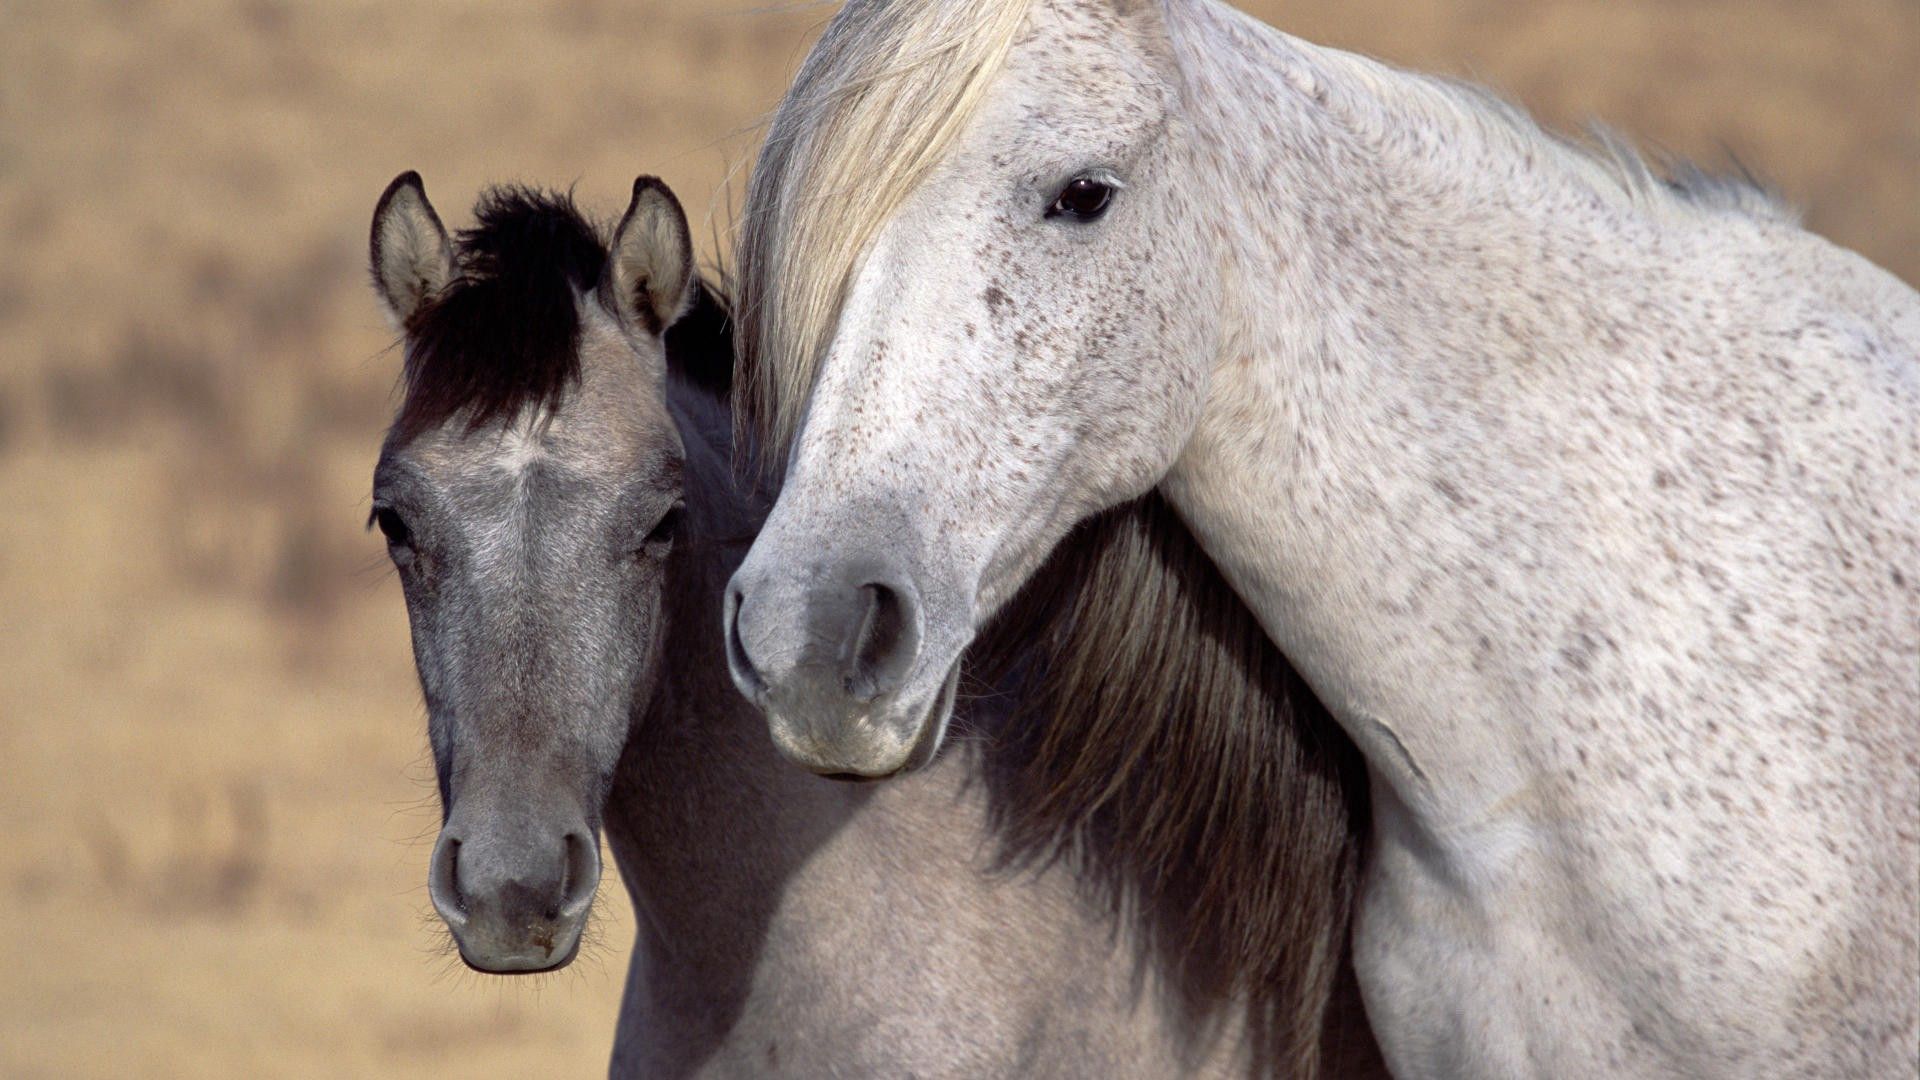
point(212, 787)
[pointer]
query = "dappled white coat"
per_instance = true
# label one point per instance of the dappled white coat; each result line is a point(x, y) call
point(1589, 503)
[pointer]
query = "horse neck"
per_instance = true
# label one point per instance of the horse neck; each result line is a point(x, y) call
point(1430, 321)
point(705, 821)
point(1380, 224)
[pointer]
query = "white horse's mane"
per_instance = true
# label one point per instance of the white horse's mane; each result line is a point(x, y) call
point(1607, 159)
point(891, 84)
point(883, 94)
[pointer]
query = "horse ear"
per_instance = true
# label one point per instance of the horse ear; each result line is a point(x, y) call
point(412, 258)
point(650, 276)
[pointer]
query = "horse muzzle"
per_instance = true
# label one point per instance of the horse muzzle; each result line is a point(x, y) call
point(515, 896)
point(836, 660)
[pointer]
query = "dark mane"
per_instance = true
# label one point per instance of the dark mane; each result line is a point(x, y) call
point(700, 345)
point(504, 335)
point(1165, 747)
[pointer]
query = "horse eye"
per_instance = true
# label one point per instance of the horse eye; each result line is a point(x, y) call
point(393, 527)
point(664, 530)
point(1083, 199)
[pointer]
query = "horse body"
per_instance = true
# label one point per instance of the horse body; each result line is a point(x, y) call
point(1586, 501)
point(1620, 621)
point(560, 503)
point(1596, 548)
point(792, 927)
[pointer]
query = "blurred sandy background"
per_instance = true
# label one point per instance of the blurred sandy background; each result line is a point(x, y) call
point(213, 791)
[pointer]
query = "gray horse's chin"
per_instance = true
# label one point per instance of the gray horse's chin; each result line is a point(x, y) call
point(532, 957)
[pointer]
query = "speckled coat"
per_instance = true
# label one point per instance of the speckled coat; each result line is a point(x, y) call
point(1587, 501)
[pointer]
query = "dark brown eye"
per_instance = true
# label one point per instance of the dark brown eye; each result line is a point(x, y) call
point(393, 527)
point(661, 537)
point(1083, 199)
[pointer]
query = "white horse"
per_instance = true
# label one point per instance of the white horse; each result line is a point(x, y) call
point(1588, 500)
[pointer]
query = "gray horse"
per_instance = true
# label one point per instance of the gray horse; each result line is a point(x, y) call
point(558, 498)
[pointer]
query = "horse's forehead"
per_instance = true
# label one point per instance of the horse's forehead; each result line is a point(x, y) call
point(619, 410)
point(612, 428)
point(1096, 24)
point(1066, 42)
point(1079, 77)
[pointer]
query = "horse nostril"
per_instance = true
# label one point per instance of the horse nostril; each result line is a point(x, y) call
point(886, 643)
point(745, 675)
point(443, 881)
point(580, 877)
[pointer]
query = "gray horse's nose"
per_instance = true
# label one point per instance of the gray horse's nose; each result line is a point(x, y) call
point(815, 652)
point(515, 900)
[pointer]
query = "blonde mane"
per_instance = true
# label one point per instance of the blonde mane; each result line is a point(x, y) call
point(881, 97)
